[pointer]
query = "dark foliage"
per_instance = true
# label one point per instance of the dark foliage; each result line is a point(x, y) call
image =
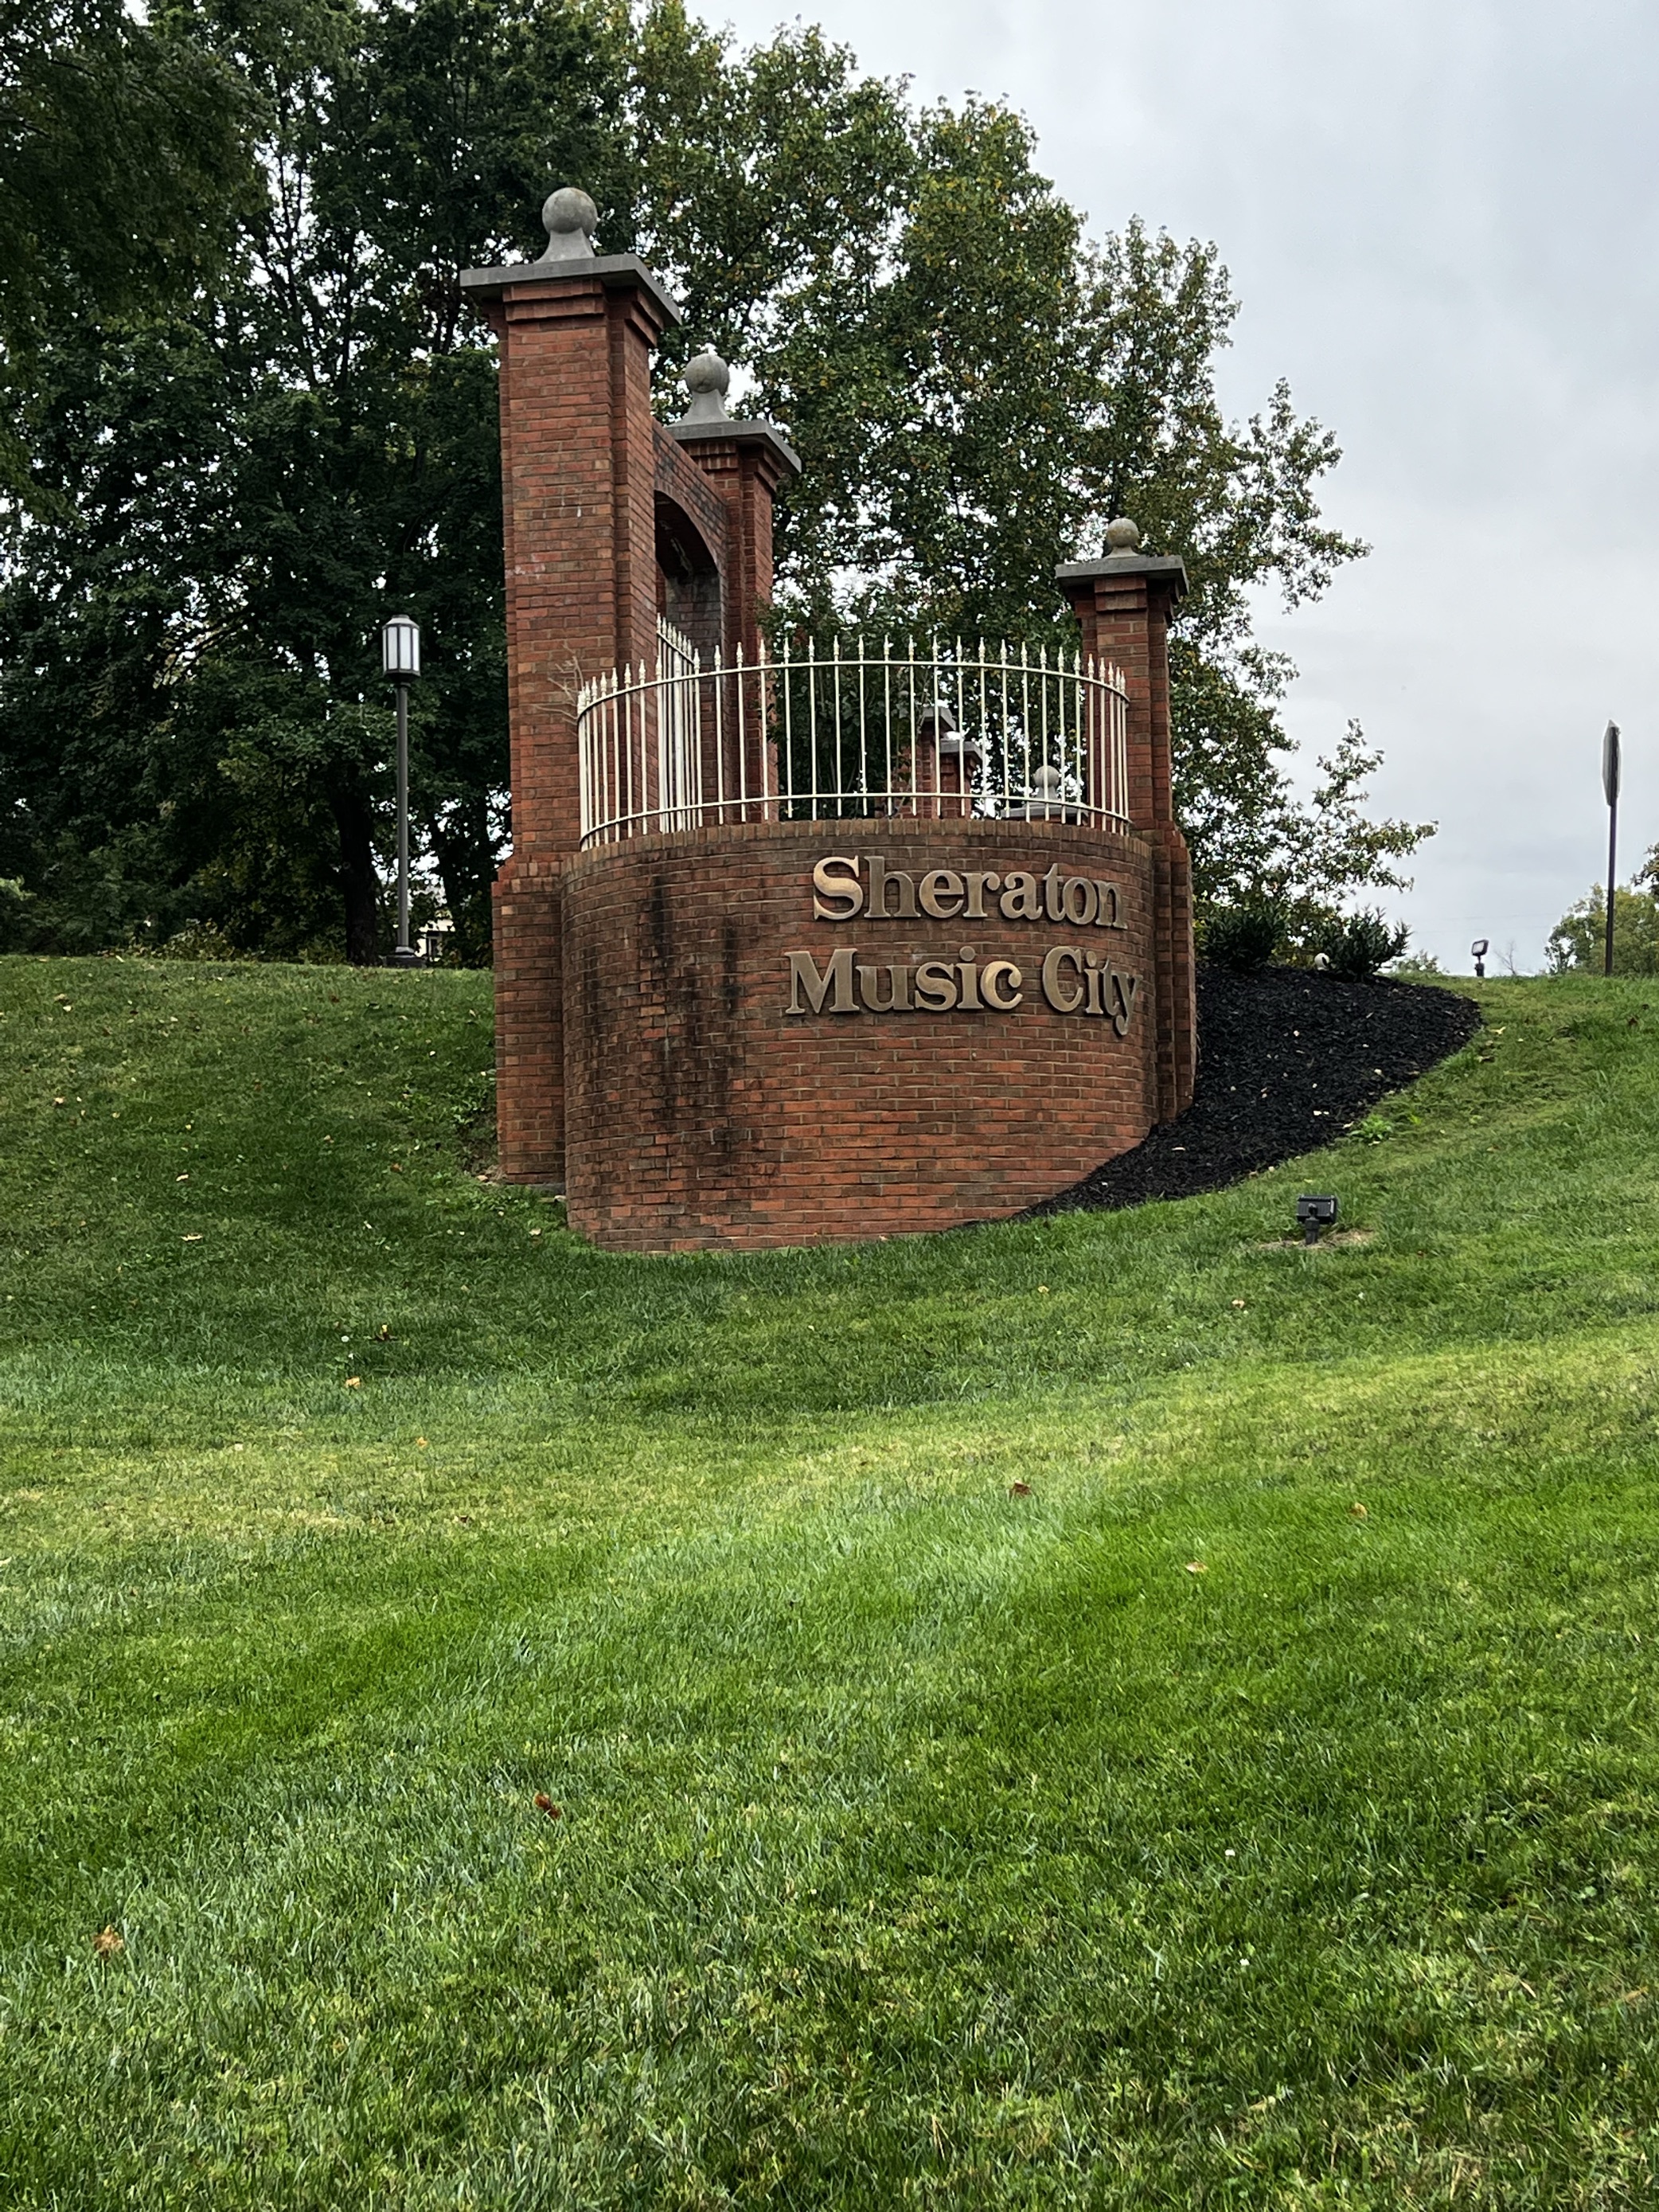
point(1358, 945)
point(1245, 936)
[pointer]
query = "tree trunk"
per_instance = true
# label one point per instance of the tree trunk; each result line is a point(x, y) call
point(360, 885)
point(466, 868)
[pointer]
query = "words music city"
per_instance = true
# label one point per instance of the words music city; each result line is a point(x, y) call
point(1074, 979)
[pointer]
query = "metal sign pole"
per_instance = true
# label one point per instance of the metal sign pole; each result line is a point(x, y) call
point(1611, 764)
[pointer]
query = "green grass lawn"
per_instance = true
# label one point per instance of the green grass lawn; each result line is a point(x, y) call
point(1114, 1712)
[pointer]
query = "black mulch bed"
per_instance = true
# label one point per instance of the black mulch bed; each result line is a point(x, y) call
point(1287, 1059)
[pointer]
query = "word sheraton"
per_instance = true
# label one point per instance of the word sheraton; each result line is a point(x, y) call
point(839, 894)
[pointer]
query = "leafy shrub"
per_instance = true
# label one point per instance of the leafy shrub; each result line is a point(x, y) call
point(197, 940)
point(15, 905)
point(1363, 943)
point(1243, 937)
point(1579, 940)
point(1417, 967)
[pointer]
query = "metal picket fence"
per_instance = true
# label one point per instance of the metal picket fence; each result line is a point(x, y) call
point(854, 730)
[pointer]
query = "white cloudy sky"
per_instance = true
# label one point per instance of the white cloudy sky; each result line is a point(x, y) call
point(1441, 217)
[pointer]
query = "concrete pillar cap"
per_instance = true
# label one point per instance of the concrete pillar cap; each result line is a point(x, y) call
point(569, 218)
point(707, 379)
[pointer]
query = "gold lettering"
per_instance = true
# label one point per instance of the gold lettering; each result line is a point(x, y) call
point(1020, 901)
point(941, 893)
point(1124, 988)
point(1076, 900)
point(880, 878)
point(969, 975)
point(978, 883)
point(836, 980)
point(837, 894)
point(991, 979)
point(936, 987)
point(897, 1000)
point(1095, 977)
point(1106, 907)
point(1064, 997)
point(1051, 904)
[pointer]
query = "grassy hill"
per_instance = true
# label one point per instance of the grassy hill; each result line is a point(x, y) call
point(1116, 1711)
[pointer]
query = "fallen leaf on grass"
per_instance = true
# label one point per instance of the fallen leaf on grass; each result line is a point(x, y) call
point(1020, 1490)
point(1196, 1567)
point(354, 1382)
point(1238, 1304)
point(196, 1239)
point(1358, 1511)
point(420, 1444)
point(183, 1178)
point(544, 1804)
point(108, 1942)
point(59, 1102)
point(1043, 1290)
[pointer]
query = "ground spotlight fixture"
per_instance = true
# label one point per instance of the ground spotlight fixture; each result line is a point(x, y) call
point(1478, 949)
point(1315, 1214)
point(400, 659)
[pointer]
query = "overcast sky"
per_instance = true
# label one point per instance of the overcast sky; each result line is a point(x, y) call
point(1441, 220)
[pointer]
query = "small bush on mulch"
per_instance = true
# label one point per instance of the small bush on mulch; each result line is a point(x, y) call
point(1362, 944)
point(1245, 936)
point(1288, 1059)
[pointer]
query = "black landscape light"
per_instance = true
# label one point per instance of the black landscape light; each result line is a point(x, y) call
point(400, 659)
point(1315, 1214)
point(1478, 949)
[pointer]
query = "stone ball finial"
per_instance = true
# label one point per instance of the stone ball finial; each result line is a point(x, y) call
point(569, 218)
point(1122, 536)
point(707, 379)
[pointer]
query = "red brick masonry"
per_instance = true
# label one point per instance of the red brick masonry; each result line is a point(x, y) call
point(703, 1113)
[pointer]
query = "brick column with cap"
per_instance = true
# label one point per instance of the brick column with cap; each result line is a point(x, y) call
point(1123, 603)
point(746, 463)
point(576, 330)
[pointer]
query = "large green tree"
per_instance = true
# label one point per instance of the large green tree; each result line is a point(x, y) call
point(1579, 940)
point(123, 162)
point(230, 494)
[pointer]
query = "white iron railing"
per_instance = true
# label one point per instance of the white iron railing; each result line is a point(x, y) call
point(954, 731)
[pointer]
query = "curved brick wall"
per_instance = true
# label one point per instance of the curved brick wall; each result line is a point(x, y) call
point(701, 1112)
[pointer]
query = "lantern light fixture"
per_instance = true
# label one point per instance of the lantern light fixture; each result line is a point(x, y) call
point(400, 649)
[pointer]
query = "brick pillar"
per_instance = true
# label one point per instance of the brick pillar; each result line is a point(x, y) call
point(746, 465)
point(1123, 603)
point(576, 330)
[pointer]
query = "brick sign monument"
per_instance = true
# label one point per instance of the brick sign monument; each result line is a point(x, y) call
point(813, 939)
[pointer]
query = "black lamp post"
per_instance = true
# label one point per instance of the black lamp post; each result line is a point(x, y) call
point(400, 659)
point(1478, 949)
